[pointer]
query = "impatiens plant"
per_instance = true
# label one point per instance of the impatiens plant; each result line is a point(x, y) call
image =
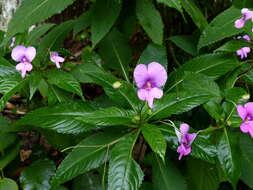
point(127, 95)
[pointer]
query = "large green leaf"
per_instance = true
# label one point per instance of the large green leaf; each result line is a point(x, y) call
point(61, 118)
point(124, 172)
point(229, 155)
point(56, 94)
point(116, 52)
point(233, 46)
point(6, 139)
point(201, 175)
point(82, 22)
point(34, 82)
point(8, 183)
point(150, 19)
point(104, 14)
point(221, 27)
point(247, 156)
point(212, 65)
point(32, 12)
point(172, 3)
point(9, 154)
point(195, 13)
point(64, 80)
point(89, 154)
point(38, 175)
point(88, 181)
point(166, 177)
point(154, 53)
point(155, 139)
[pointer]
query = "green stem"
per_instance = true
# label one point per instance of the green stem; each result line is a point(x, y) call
point(106, 158)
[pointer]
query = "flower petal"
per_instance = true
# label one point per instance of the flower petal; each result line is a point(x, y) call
point(244, 127)
point(157, 74)
point(239, 23)
point(251, 131)
point(20, 66)
point(240, 53)
point(184, 128)
point(28, 67)
point(18, 53)
point(30, 53)
point(249, 108)
point(156, 93)
point(178, 133)
point(242, 112)
point(141, 75)
point(191, 137)
point(142, 94)
point(246, 37)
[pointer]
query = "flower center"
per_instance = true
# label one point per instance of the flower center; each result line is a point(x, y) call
point(25, 60)
point(244, 17)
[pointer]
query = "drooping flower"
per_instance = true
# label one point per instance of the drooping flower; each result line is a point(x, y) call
point(24, 56)
point(245, 50)
point(54, 57)
point(246, 15)
point(185, 139)
point(12, 41)
point(246, 113)
point(148, 79)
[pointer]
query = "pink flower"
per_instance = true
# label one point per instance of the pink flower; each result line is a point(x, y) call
point(148, 79)
point(24, 56)
point(54, 57)
point(246, 113)
point(245, 50)
point(185, 139)
point(12, 41)
point(246, 15)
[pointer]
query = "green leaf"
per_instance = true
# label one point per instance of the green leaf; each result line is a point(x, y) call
point(36, 33)
point(146, 186)
point(166, 177)
point(155, 139)
point(116, 52)
point(213, 107)
point(88, 181)
point(4, 62)
point(229, 155)
point(233, 46)
point(6, 139)
point(60, 118)
point(202, 175)
point(8, 183)
point(150, 19)
point(82, 22)
point(32, 12)
point(154, 53)
point(104, 15)
point(172, 3)
point(89, 154)
point(9, 154)
point(196, 15)
point(34, 82)
point(108, 117)
point(247, 159)
point(56, 94)
point(124, 172)
point(235, 94)
point(37, 175)
point(221, 27)
point(64, 80)
point(212, 65)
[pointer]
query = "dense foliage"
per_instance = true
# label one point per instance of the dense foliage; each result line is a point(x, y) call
point(157, 96)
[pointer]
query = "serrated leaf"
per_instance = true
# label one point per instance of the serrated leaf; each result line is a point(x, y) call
point(235, 94)
point(116, 52)
point(229, 156)
point(102, 19)
point(32, 12)
point(9, 154)
point(221, 27)
point(195, 13)
point(64, 80)
point(150, 19)
point(56, 94)
point(9, 184)
point(154, 53)
point(60, 118)
point(124, 172)
point(155, 139)
point(37, 175)
point(166, 177)
point(90, 154)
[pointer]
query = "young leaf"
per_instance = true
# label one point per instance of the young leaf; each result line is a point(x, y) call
point(90, 153)
point(150, 19)
point(124, 172)
point(229, 155)
point(60, 118)
point(154, 53)
point(104, 15)
point(37, 175)
point(155, 139)
point(7, 183)
point(116, 52)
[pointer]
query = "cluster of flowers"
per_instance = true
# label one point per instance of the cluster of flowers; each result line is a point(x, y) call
point(25, 56)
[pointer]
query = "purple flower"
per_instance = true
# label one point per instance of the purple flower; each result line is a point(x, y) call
point(12, 41)
point(24, 56)
point(246, 113)
point(245, 50)
point(246, 15)
point(54, 57)
point(185, 139)
point(148, 79)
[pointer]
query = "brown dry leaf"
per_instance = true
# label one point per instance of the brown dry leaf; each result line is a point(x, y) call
point(24, 154)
